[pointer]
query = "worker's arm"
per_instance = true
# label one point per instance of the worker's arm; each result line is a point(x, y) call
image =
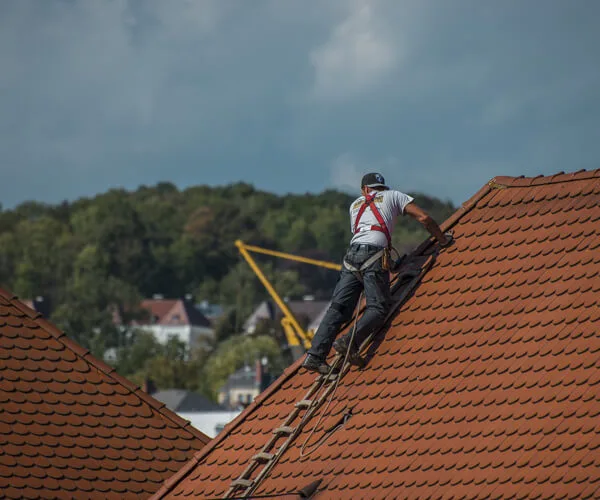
point(428, 223)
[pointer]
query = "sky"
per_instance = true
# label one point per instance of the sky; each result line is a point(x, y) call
point(294, 96)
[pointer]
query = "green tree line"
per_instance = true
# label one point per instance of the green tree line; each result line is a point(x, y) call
point(94, 256)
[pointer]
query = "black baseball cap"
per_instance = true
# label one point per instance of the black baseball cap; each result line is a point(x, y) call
point(372, 180)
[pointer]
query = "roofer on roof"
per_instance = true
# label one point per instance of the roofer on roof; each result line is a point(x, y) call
point(366, 268)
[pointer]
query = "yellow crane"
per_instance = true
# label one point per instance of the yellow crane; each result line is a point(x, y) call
point(298, 339)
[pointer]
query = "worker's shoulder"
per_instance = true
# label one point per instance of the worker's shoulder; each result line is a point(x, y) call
point(394, 193)
point(357, 203)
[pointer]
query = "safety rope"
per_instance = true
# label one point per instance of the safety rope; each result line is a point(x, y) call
point(316, 446)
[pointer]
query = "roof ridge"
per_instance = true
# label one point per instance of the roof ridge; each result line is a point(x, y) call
point(184, 306)
point(170, 310)
point(560, 177)
point(85, 354)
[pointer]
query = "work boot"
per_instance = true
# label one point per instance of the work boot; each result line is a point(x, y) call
point(341, 345)
point(314, 364)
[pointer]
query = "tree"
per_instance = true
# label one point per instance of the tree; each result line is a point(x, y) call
point(169, 366)
point(114, 226)
point(236, 351)
point(46, 252)
point(93, 301)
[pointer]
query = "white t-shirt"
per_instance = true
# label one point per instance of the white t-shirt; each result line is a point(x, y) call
point(390, 204)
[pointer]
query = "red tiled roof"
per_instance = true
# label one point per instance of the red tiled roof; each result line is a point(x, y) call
point(485, 385)
point(70, 426)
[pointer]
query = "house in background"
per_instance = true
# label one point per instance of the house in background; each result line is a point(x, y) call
point(40, 305)
point(203, 414)
point(244, 385)
point(212, 312)
point(181, 400)
point(306, 312)
point(178, 318)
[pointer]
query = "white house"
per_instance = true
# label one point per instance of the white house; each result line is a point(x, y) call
point(176, 318)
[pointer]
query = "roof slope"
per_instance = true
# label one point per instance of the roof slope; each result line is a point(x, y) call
point(486, 384)
point(70, 426)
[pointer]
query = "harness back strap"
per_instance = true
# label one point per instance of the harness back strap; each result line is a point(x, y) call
point(382, 227)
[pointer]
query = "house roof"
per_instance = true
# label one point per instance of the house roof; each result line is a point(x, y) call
point(173, 312)
point(181, 400)
point(307, 310)
point(71, 426)
point(485, 385)
point(242, 378)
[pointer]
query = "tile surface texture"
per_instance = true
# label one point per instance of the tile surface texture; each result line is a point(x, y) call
point(70, 427)
point(486, 383)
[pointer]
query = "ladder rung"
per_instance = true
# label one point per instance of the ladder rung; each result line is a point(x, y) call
point(305, 403)
point(242, 483)
point(283, 430)
point(263, 457)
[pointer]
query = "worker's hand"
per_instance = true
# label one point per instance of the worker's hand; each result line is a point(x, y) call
point(449, 239)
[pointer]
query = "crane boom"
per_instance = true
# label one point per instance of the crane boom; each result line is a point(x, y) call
point(298, 339)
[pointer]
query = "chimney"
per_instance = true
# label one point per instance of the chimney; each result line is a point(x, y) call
point(263, 377)
point(149, 386)
point(259, 375)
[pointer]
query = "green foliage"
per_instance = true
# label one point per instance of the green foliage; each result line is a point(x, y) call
point(168, 365)
point(237, 351)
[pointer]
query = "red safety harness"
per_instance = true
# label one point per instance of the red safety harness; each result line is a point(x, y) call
point(382, 227)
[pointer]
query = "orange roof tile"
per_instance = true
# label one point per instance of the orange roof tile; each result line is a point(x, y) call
point(70, 426)
point(486, 384)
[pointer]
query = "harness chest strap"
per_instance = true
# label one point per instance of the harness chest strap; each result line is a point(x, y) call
point(382, 227)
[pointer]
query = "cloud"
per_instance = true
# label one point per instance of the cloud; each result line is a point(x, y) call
point(345, 174)
point(293, 96)
point(356, 55)
point(347, 169)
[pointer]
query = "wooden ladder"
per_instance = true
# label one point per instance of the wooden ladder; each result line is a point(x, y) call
point(283, 436)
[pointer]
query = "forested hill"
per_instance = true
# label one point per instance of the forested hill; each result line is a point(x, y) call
point(91, 255)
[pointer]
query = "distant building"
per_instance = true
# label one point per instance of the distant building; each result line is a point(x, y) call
point(211, 311)
point(244, 385)
point(181, 400)
point(40, 305)
point(176, 318)
point(202, 413)
point(306, 311)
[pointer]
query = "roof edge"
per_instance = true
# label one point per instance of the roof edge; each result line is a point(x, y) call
point(456, 216)
point(101, 366)
point(560, 177)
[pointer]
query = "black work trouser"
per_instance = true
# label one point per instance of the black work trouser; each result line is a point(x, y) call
point(376, 283)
